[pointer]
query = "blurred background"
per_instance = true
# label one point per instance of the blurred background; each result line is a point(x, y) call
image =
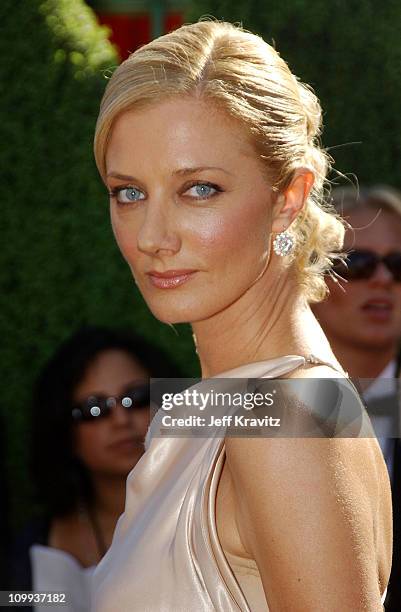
point(60, 267)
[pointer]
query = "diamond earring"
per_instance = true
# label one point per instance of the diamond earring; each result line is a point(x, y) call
point(283, 244)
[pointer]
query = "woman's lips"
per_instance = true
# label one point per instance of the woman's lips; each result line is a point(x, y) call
point(127, 445)
point(379, 310)
point(170, 279)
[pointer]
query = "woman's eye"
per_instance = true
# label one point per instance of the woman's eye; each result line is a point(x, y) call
point(203, 190)
point(125, 195)
point(200, 191)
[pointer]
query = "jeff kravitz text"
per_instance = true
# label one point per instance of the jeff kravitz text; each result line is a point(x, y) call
point(224, 421)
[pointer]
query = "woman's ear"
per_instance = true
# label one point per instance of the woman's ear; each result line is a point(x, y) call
point(290, 202)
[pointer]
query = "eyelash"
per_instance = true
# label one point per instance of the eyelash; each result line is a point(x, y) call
point(113, 193)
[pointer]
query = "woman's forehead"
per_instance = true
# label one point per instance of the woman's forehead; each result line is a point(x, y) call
point(178, 127)
point(374, 228)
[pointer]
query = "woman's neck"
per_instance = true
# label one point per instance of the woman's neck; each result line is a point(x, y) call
point(109, 497)
point(261, 325)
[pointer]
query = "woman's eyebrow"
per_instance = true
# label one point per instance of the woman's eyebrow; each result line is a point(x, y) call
point(184, 171)
point(123, 177)
point(180, 172)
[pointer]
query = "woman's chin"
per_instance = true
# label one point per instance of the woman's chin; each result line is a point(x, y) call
point(178, 314)
point(172, 319)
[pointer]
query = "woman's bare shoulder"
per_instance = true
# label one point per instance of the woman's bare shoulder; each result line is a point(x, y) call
point(312, 401)
point(368, 446)
point(314, 503)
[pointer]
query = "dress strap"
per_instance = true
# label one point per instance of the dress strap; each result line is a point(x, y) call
point(313, 360)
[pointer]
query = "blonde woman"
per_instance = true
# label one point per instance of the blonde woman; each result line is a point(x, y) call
point(208, 146)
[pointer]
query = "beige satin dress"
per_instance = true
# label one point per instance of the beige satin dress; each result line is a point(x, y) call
point(166, 555)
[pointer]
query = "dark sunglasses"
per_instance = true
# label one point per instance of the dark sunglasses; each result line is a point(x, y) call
point(94, 407)
point(362, 264)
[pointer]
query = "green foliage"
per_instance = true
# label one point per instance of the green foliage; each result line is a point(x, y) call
point(350, 53)
point(60, 267)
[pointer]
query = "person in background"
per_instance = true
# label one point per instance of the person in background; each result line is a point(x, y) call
point(362, 320)
point(90, 417)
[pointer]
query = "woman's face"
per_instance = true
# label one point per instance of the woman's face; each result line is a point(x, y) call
point(111, 445)
point(368, 313)
point(191, 210)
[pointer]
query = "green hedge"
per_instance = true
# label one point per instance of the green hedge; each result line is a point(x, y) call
point(350, 52)
point(60, 266)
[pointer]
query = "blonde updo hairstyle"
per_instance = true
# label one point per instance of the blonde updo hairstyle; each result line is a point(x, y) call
point(243, 75)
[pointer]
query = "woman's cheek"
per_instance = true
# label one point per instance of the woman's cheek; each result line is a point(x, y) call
point(216, 234)
point(89, 442)
point(125, 238)
point(236, 235)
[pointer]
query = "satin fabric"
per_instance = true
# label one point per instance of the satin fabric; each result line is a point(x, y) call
point(166, 555)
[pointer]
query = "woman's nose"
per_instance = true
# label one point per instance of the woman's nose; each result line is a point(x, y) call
point(157, 232)
point(119, 414)
point(382, 275)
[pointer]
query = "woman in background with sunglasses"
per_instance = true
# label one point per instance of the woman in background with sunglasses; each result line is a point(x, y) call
point(90, 417)
point(362, 315)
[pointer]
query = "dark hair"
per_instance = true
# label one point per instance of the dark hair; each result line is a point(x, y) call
point(60, 479)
